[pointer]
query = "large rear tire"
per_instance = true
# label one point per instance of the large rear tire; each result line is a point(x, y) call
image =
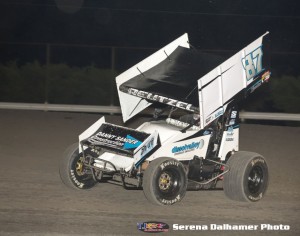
point(247, 179)
point(72, 170)
point(165, 181)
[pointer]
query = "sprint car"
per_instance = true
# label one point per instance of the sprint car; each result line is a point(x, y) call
point(192, 141)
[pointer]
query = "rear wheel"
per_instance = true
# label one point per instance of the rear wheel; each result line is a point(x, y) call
point(73, 171)
point(247, 179)
point(165, 181)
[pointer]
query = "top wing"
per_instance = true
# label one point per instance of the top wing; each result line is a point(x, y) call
point(195, 81)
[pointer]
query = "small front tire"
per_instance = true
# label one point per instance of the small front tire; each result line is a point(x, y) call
point(165, 181)
point(73, 172)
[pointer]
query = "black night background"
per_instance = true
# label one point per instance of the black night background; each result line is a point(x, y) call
point(69, 51)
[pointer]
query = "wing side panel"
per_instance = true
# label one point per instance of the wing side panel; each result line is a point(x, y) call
point(221, 84)
point(131, 105)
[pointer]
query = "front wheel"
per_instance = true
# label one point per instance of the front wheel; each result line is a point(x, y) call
point(247, 179)
point(73, 171)
point(165, 181)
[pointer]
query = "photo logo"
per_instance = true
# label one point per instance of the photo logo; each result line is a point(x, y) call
point(153, 227)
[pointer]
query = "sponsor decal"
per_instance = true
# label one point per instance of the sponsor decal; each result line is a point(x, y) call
point(229, 134)
point(180, 124)
point(170, 202)
point(233, 114)
point(219, 113)
point(153, 227)
point(229, 139)
point(168, 163)
point(187, 147)
point(255, 86)
point(232, 122)
point(161, 99)
point(131, 142)
point(230, 129)
point(73, 177)
point(215, 115)
point(208, 119)
point(127, 142)
point(266, 76)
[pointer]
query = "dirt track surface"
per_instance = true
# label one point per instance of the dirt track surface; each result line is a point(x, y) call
point(33, 201)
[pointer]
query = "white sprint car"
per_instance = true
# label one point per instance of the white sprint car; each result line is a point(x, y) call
point(171, 154)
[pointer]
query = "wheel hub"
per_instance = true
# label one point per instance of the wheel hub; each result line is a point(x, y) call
point(255, 179)
point(165, 181)
point(79, 166)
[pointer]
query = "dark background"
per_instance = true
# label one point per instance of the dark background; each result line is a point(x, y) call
point(69, 51)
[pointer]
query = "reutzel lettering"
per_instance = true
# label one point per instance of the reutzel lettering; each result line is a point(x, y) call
point(161, 99)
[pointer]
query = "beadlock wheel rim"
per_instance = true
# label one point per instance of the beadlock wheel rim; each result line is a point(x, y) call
point(165, 181)
point(79, 166)
point(255, 180)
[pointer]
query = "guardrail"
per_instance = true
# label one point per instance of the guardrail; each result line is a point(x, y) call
point(117, 110)
point(269, 116)
point(60, 107)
